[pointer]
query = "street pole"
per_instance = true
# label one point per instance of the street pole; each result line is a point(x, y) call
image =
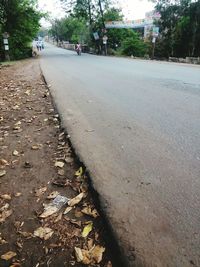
point(153, 49)
point(6, 46)
point(101, 11)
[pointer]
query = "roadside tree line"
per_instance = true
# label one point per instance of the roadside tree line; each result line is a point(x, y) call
point(20, 19)
point(85, 18)
point(179, 26)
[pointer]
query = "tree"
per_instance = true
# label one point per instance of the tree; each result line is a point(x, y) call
point(20, 19)
point(133, 45)
point(179, 28)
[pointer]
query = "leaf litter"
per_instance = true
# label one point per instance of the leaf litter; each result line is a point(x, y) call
point(53, 176)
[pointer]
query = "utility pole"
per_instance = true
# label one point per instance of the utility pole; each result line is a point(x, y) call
point(101, 12)
point(89, 12)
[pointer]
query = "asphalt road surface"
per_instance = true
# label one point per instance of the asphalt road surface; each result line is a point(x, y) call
point(136, 126)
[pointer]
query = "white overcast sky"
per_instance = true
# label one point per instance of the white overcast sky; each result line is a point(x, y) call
point(132, 9)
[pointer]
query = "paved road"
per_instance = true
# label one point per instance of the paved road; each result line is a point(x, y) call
point(136, 125)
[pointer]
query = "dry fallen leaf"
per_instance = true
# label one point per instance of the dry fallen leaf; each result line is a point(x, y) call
point(3, 163)
point(4, 215)
point(68, 160)
point(59, 164)
point(59, 217)
point(40, 191)
point(87, 229)
point(27, 92)
point(4, 207)
point(15, 264)
point(2, 241)
point(83, 256)
point(48, 211)
point(78, 213)
point(36, 147)
point(6, 197)
point(79, 172)
point(2, 173)
point(43, 233)
point(79, 254)
point(25, 234)
point(91, 212)
point(15, 153)
point(97, 253)
point(75, 222)
point(72, 202)
point(90, 244)
point(18, 194)
point(67, 210)
point(9, 255)
point(53, 195)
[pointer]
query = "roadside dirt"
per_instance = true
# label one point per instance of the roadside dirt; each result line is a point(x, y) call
point(31, 144)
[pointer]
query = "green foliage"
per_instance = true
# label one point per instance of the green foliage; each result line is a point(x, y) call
point(21, 20)
point(88, 16)
point(179, 27)
point(70, 29)
point(133, 45)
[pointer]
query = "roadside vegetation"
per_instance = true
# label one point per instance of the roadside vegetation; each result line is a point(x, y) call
point(85, 18)
point(179, 26)
point(20, 19)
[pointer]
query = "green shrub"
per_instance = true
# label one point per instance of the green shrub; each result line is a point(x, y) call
point(132, 45)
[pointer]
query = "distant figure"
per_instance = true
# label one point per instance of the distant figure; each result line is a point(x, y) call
point(34, 49)
point(78, 49)
point(38, 45)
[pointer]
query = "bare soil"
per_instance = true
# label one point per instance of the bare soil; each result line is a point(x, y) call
point(31, 141)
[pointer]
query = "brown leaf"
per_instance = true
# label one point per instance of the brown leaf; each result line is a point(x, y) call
point(9, 255)
point(15, 264)
point(43, 233)
point(78, 213)
point(79, 254)
point(78, 223)
point(97, 254)
point(59, 217)
point(91, 212)
point(25, 234)
point(3, 163)
point(48, 211)
point(40, 191)
point(90, 244)
point(5, 207)
point(2, 241)
point(2, 173)
point(15, 153)
point(6, 197)
point(76, 200)
point(4, 215)
point(59, 164)
point(67, 210)
point(36, 147)
point(18, 194)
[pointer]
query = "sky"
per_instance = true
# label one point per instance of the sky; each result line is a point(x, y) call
point(132, 9)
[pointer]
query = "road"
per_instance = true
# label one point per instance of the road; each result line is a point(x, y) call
point(136, 126)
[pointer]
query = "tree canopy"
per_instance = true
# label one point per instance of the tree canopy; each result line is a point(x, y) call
point(20, 19)
point(179, 28)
